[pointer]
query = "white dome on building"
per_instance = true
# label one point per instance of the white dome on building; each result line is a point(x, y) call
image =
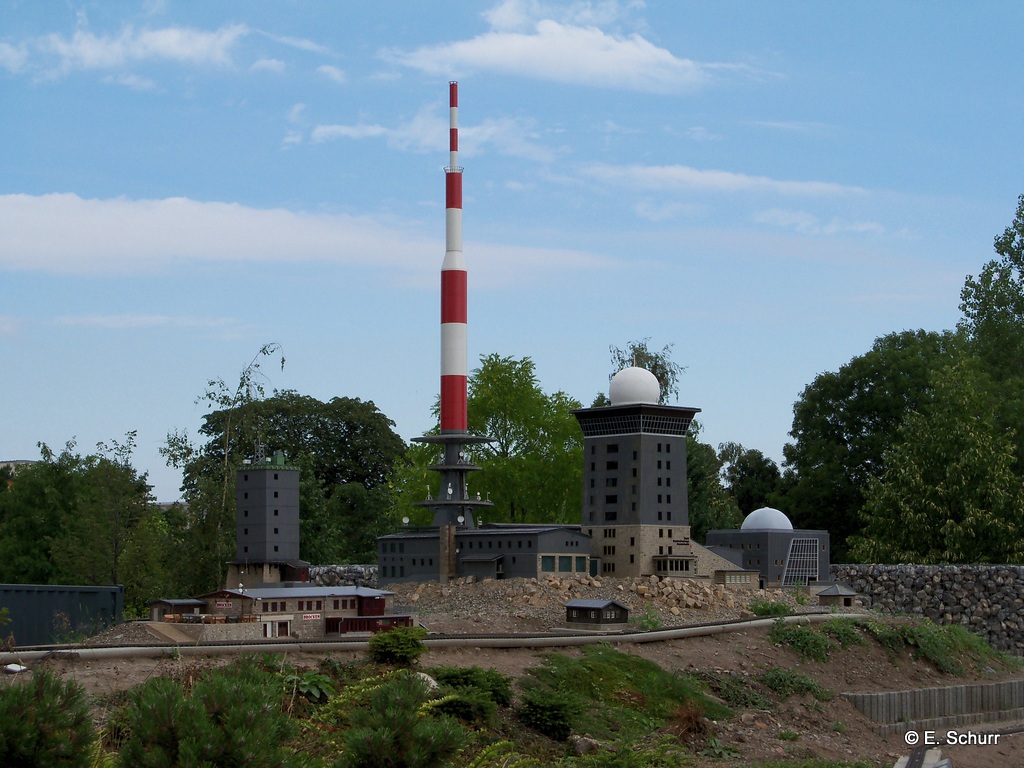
point(634, 385)
point(766, 517)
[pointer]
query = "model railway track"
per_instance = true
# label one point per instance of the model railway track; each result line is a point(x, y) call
point(440, 640)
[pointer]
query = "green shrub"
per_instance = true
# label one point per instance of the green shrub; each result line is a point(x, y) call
point(232, 716)
point(547, 712)
point(44, 722)
point(735, 690)
point(648, 619)
point(395, 729)
point(786, 683)
point(843, 631)
point(761, 607)
point(470, 705)
point(400, 646)
point(804, 640)
point(496, 685)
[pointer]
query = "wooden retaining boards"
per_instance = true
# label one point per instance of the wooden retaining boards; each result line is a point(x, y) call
point(933, 708)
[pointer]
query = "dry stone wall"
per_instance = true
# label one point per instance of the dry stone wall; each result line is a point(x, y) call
point(343, 575)
point(988, 599)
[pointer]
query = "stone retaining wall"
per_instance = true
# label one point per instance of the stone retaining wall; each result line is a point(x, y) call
point(937, 708)
point(343, 575)
point(988, 599)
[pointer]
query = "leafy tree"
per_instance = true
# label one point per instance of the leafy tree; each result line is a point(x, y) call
point(710, 507)
point(949, 493)
point(346, 450)
point(844, 422)
point(993, 307)
point(534, 468)
point(750, 476)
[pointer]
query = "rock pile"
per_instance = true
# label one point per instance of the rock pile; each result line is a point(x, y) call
point(531, 604)
point(988, 599)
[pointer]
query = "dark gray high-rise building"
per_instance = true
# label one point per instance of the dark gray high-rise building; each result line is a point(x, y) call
point(267, 524)
point(634, 480)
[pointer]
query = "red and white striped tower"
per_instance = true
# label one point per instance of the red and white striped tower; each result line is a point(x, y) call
point(454, 505)
point(453, 285)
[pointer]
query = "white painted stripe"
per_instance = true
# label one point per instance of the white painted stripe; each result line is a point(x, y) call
point(453, 239)
point(453, 349)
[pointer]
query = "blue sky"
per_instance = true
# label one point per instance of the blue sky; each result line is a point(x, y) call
point(768, 186)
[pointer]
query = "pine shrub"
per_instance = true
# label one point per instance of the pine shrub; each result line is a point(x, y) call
point(45, 722)
point(400, 646)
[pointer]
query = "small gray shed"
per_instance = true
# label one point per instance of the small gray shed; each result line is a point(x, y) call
point(596, 614)
point(837, 594)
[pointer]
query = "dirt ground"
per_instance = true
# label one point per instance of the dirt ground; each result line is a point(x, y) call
point(832, 729)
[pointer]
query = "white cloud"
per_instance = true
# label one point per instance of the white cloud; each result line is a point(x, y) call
point(131, 321)
point(295, 113)
point(12, 58)
point(299, 43)
point(332, 73)
point(268, 65)
point(567, 54)
point(428, 132)
point(85, 50)
point(135, 82)
point(806, 223)
point(66, 234)
point(520, 15)
point(681, 177)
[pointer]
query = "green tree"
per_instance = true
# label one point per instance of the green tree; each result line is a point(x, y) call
point(345, 448)
point(710, 507)
point(660, 363)
point(949, 493)
point(844, 422)
point(534, 468)
point(751, 478)
point(993, 321)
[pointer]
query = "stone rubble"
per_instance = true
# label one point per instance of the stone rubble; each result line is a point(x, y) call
point(531, 604)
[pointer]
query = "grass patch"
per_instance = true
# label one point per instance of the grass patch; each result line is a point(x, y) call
point(786, 683)
point(846, 632)
point(612, 695)
point(951, 649)
point(809, 643)
point(735, 690)
point(812, 763)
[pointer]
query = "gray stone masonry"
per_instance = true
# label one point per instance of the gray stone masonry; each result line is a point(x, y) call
point(987, 599)
point(343, 576)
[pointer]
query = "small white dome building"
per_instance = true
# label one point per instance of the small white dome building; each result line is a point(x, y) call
point(768, 543)
point(766, 518)
point(633, 385)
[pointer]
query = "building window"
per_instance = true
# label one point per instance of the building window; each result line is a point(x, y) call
point(547, 563)
point(337, 605)
point(276, 531)
point(581, 564)
point(275, 494)
point(659, 463)
point(613, 448)
point(611, 482)
point(564, 564)
point(245, 477)
point(611, 498)
point(275, 475)
point(668, 465)
point(659, 447)
point(275, 547)
point(245, 495)
point(611, 465)
point(631, 559)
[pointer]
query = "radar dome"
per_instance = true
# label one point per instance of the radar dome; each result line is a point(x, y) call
point(634, 385)
point(766, 517)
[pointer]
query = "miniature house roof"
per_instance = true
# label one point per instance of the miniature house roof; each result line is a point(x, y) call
point(595, 604)
point(838, 589)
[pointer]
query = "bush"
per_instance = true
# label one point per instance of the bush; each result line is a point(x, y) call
point(44, 722)
point(400, 646)
point(394, 729)
point(232, 716)
point(804, 640)
point(547, 712)
point(470, 705)
point(761, 607)
point(787, 683)
point(496, 685)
